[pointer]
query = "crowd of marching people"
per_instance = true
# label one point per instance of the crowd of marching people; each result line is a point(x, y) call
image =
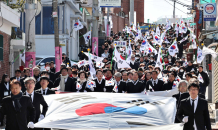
point(152, 61)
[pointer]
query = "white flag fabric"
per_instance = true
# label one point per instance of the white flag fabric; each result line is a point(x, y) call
point(194, 45)
point(159, 60)
point(200, 56)
point(78, 86)
point(158, 31)
point(82, 63)
point(157, 39)
point(121, 63)
point(206, 51)
point(100, 64)
point(168, 93)
point(22, 55)
point(200, 78)
point(144, 46)
point(91, 68)
point(168, 25)
point(173, 49)
point(150, 49)
point(107, 110)
point(129, 52)
point(94, 57)
point(184, 39)
point(78, 25)
point(178, 78)
point(90, 84)
point(109, 83)
point(127, 29)
point(87, 37)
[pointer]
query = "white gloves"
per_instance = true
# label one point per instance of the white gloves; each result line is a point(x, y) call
point(41, 117)
point(30, 125)
point(185, 119)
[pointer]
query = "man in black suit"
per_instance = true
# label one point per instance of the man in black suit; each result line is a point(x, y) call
point(36, 98)
point(27, 74)
point(155, 83)
point(65, 82)
point(44, 90)
point(17, 75)
point(57, 74)
point(193, 111)
point(16, 107)
point(46, 74)
point(123, 82)
point(99, 81)
point(169, 85)
point(206, 80)
point(135, 85)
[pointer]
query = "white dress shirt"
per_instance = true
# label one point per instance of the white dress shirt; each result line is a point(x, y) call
point(45, 90)
point(195, 103)
point(6, 93)
point(32, 94)
point(99, 81)
point(18, 79)
point(156, 81)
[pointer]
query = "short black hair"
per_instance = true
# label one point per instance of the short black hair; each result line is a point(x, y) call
point(52, 62)
point(109, 70)
point(201, 66)
point(154, 71)
point(98, 71)
point(44, 78)
point(64, 68)
point(189, 75)
point(129, 73)
point(44, 72)
point(194, 85)
point(17, 70)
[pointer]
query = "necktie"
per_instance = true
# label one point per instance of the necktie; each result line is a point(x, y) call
point(193, 105)
point(30, 97)
point(43, 92)
point(154, 82)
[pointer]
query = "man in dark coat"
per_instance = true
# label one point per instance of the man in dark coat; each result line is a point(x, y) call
point(206, 80)
point(44, 89)
point(36, 98)
point(16, 107)
point(193, 111)
point(154, 84)
point(133, 63)
point(17, 75)
point(190, 67)
point(66, 83)
point(170, 84)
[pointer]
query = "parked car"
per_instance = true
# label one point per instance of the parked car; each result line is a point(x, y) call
point(42, 59)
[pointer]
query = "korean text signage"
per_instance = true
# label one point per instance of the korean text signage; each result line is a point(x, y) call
point(120, 43)
point(110, 3)
point(210, 12)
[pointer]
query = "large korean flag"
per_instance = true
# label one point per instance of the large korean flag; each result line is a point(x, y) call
point(107, 110)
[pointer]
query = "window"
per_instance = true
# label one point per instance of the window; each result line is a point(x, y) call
point(48, 22)
point(212, 23)
point(53, 59)
point(1, 48)
point(38, 24)
point(121, 14)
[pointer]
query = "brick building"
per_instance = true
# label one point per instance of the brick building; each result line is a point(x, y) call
point(120, 16)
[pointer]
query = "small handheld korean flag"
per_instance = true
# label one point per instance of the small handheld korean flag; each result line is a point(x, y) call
point(78, 86)
point(99, 64)
point(175, 84)
point(90, 85)
point(109, 83)
point(78, 25)
point(178, 78)
point(151, 89)
point(87, 37)
point(82, 63)
point(91, 67)
point(200, 78)
point(115, 88)
point(200, 56)
point(173, 49)
point(194, 46)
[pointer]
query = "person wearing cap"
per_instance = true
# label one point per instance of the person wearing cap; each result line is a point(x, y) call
point(36, 98)
point(66, 60)
point(65, 82)
point(45, 74)
point(105, 54)
point(133, 63)
point(44, 90)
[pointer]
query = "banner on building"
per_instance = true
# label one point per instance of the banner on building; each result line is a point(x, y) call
point(110, 3)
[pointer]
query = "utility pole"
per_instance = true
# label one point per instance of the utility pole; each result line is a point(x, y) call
point(95, 27)
point(58, 49)
point(30, 53)
point(131, 17)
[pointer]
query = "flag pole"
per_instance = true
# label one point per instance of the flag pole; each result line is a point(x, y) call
point(112, 58)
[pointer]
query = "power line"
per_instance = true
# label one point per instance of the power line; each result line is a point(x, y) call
point(176, 7)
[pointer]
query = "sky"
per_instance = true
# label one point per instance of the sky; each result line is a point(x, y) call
point(155, 9)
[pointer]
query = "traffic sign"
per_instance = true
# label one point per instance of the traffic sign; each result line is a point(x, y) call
point(210, 12)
